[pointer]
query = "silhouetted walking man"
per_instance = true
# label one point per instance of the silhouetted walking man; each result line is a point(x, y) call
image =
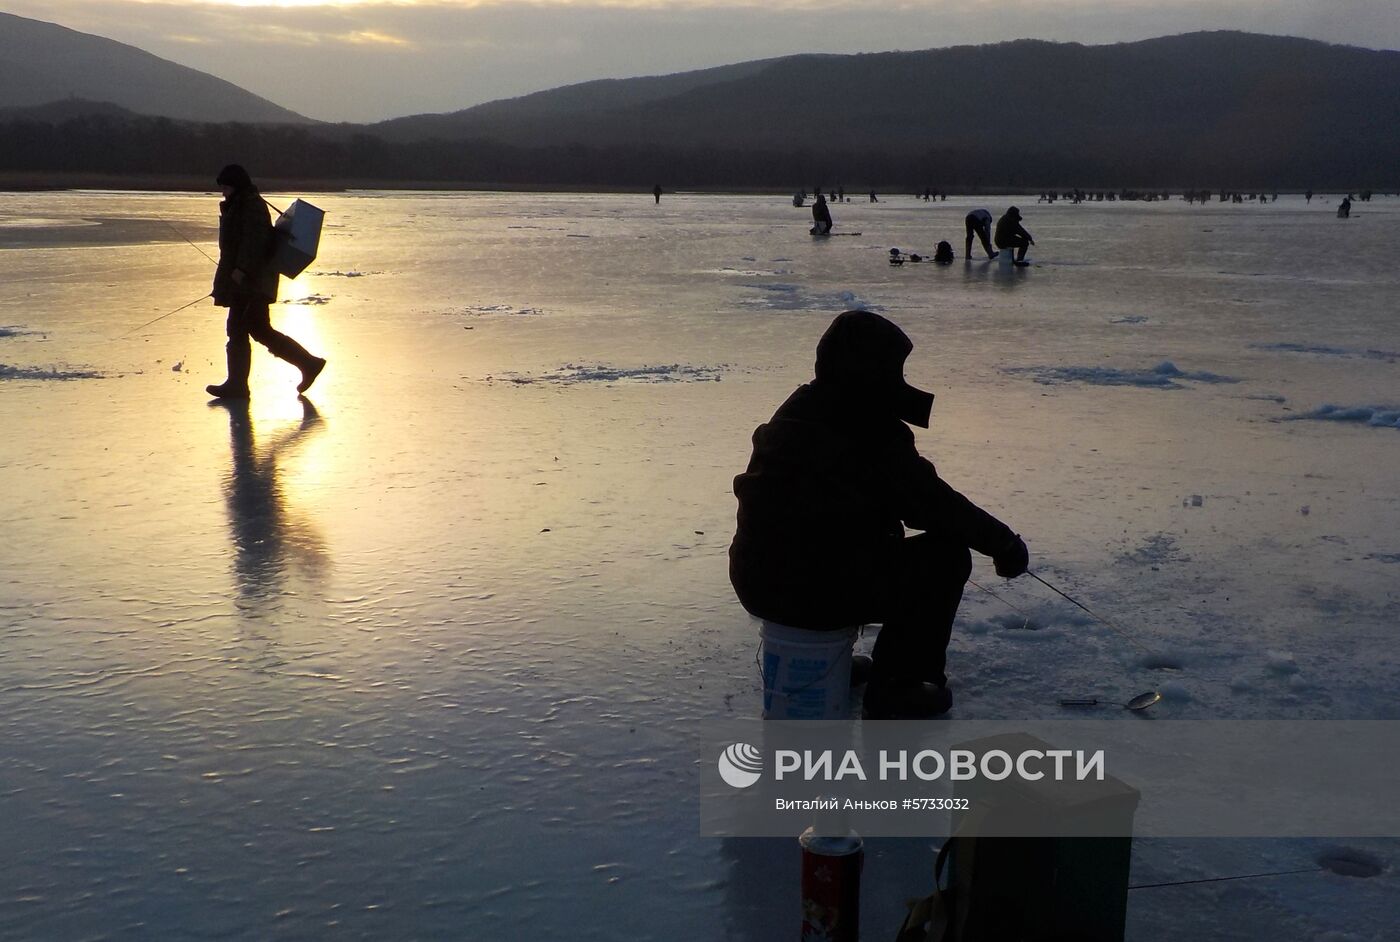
point(979, 224)
point(656, 192)
point(1012, 235)
point(246, 283)
point(833, 480)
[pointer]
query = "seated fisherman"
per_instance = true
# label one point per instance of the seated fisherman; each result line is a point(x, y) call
point(833, 481)
point(1012, 235)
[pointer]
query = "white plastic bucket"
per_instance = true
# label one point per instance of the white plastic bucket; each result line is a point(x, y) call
point(806, 674)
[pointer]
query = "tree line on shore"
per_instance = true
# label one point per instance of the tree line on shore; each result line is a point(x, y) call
point(145, 146)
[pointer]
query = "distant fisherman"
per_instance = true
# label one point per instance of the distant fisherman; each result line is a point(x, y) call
point(821, 216)
point(1011, 234)
point(246, 283)
point(656, 191)
point(979, 223)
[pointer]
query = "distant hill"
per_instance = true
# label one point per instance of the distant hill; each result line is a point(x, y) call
point(42, 63)
point(1209, 102)
point(1201, 111)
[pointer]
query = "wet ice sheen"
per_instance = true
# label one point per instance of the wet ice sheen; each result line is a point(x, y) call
point(420, 662)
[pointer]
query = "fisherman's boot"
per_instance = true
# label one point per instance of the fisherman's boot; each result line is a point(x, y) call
point(309, 371)
point(240, 362)
point(887, 698)
point(286, 348)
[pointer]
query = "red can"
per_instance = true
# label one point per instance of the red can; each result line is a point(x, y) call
point(831, 886)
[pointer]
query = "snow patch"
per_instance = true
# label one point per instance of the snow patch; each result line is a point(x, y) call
point(1374, 416)
point(1389, 356)
point(29, 372)
point(1154, 550)
point(494, 310)
point(787, 297)
point(1165, 375)
point(746, 272)
point(572, 374)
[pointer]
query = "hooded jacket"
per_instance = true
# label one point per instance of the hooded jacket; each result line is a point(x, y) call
point(1009, 229)
point(834, 479)
point(246, 242)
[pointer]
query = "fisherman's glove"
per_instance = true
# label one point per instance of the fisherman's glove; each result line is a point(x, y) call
point(1014, 559)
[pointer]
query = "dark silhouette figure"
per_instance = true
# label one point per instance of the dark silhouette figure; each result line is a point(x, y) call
point(656, 192)
point(246, 283)
point(1308, 197)
point(1344, 210)
point(1011, 234)
point(833, 481)
point(268, 538)
point(943, 252)
point(840, 194)
point(821, 217)
point(979, 224)
point(873, 197)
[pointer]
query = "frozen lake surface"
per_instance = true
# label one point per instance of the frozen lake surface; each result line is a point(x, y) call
point(418, 661)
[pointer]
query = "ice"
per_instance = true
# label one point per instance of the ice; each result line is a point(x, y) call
point(421, 660)
point(1174, 692)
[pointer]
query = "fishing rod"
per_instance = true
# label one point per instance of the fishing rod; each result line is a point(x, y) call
point(1095, 615)
point(167, 314)
point(1015, 608)
point(192, 245)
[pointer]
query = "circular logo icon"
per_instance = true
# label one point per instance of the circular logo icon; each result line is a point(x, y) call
point(740, 765)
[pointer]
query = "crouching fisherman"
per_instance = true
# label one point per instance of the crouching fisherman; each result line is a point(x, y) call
point(245, 282)
point(833, 481)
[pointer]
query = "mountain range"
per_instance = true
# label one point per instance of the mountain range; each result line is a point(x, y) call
point(1200, 109)
point(41, 63)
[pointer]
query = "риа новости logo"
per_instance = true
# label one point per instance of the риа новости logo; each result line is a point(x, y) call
point(741, 765)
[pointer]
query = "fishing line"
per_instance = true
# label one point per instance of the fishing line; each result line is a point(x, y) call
point(192, 245)
point(1015, 608)
point(1245, 876)
point(1095, 615)
point(168, 313)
